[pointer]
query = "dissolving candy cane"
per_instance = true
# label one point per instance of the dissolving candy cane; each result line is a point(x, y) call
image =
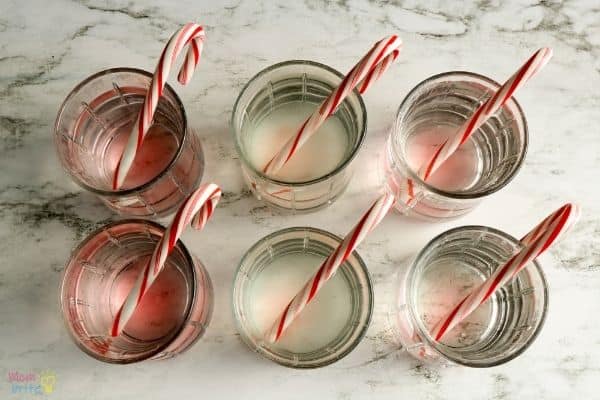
point(361, 76)
point(196, 209)
point(329, 267)
point(534, 243)
point(190, 34)
point(533, 65)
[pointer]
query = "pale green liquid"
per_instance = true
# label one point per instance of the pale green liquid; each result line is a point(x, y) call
point(320, 322)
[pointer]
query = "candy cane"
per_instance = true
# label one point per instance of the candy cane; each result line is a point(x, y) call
point(362, 75)
point(192, 34)
point(533, 65)
point(196, 209)
point(534, 243)
point(329, 267)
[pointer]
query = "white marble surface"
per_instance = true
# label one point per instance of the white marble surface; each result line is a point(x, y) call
point(48, 47)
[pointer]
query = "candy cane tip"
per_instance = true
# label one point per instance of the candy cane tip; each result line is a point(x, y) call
point(271, 337)
point(545, 54)
point(575, 213)
point(190, 32)
point(205, 196)
point(118, 179)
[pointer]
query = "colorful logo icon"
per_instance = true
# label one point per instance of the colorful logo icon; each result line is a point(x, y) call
point(47, 381)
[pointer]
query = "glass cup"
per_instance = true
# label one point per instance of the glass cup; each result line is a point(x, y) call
point(431, 113)
point(172, 315)
point(272, 272)
point(442, 274)
point(299, 87)
point(92, 128)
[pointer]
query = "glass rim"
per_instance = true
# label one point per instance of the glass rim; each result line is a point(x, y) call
point(340, 167)
point(189, 261)
point(424, 332)
point(246, 338)
point(456, 194)
point(164, 171)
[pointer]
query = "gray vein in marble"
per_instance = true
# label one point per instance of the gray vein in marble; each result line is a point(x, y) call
point(37, 208)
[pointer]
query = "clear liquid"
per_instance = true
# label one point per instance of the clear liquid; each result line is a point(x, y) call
point(442, 286)
point(320, 155)
point(320, 322)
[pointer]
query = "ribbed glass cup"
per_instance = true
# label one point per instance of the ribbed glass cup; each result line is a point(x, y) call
point(93, 125)
point(288, 83)
point(172, 315)
point(431, 113)
point(446, 270)
point(357, 293)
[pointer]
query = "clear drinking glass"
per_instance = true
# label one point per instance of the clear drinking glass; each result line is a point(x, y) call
point(431, 113)
point(296, 82)
point(271, 273)
point(172, 315)
point(442, 274)
point(93, 125)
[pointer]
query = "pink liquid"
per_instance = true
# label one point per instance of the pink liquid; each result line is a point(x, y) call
point(162, 308)
point(458, 173)
point(157, 151)
point(155, 158)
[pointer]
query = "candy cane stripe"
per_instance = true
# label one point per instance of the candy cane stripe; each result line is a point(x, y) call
point(329, 267)
point(480, 115)
point(361, 75)
point(190, 34)
point(534, 243)
point(201, 204)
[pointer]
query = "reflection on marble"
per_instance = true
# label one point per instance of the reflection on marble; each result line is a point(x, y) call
point(46, 49)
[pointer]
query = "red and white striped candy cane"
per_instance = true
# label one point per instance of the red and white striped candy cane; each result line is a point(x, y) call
point(190, 34)
point(361, 76)
point(329, 267)
point(196, 209)
point(534, 243)
point(487, 109)
point(534, 64)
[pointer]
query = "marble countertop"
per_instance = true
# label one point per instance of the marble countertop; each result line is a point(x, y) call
point(46, 49)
